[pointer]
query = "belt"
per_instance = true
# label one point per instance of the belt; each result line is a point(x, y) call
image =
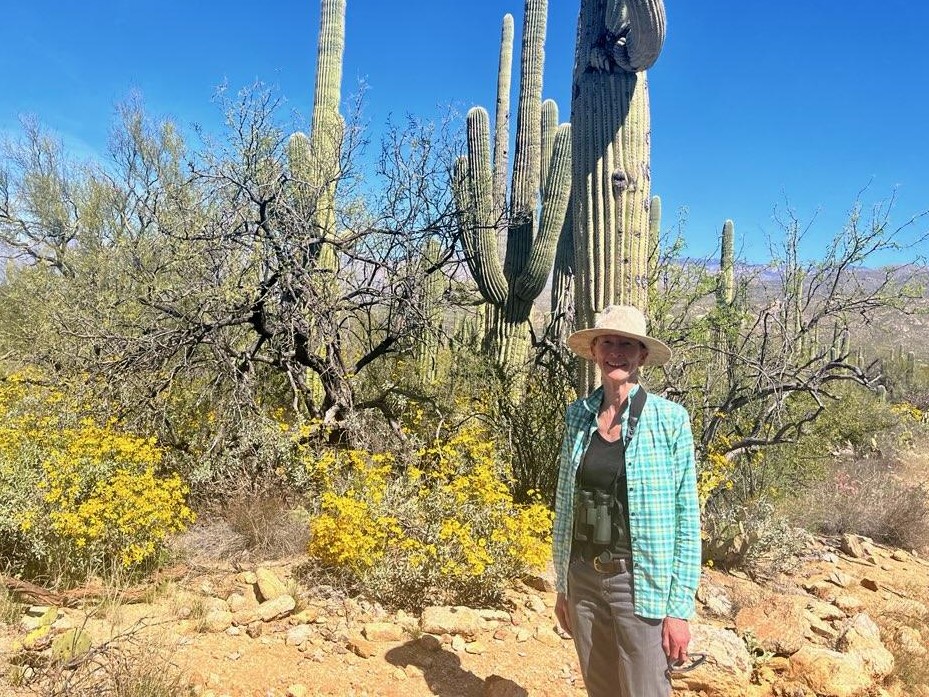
point(608, 564)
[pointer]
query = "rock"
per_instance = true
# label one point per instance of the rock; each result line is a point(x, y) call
point(450, 620)
point(475, 647)
point(254, 629)
point(715, 599)
point(236, 602)
point(382, 631)
point(458, 643)
point(547, 636)
point(829, 673)
point(539, 583)
point(498, 686)
point(823, 610)
point(863, 638)
point(494, 616)
point(308, 615)
point(820, 627)
point(841, 579)
point(849, 604)
point(399, 674)
point(821, 589)
point(910, 641)
point(297, 691)
point(777, 624)
point(281, 606)
point(430, 643)
point(869, 583)
point(854, 546)
point(900, 555)
point(728, 669)
point(247, 578)
point(299, 635)
point(216, 621)
point(536, 604)
point(523, 634)
point(360, 646)
point(269, 585)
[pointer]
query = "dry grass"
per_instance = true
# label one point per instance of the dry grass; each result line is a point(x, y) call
point(868, 497)
point(248, 527)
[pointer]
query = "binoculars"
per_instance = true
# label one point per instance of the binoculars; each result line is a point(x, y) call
point(592, 518)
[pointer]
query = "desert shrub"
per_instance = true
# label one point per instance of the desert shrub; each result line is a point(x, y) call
point(437, 526)
point(77, 495)
point(530, 421)
point(753, 537)
point(867, 497)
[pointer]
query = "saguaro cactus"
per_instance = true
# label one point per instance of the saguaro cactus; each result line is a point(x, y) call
point(617, 41)
point(725, 290)
point(531, 233)
point(315, 164)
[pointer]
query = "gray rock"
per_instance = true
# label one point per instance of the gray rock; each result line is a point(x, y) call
point(450, 620)
point(863, 638)
point(299, 635)
point(728, 669)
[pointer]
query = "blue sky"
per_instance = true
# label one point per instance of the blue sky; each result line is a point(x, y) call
point(753, 104)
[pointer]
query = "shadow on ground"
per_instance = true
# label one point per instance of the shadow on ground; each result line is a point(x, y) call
point(446, 678)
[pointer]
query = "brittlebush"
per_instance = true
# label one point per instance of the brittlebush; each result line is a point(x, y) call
point(80, 496)
point(440, 528)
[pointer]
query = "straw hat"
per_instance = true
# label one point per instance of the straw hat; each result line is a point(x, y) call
point(619, 320)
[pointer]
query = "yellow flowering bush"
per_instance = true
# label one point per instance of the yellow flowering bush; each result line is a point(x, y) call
point(76, 495)
point(440, 526)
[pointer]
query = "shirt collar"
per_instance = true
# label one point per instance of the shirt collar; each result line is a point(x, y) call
point(593, 402)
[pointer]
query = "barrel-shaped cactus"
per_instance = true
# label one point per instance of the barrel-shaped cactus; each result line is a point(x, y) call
point(541, 172)
point(617, 41)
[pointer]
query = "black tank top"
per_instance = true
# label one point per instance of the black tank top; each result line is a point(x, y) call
point(604, 463)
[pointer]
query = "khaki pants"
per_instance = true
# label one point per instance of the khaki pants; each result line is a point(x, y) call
point(620, 653)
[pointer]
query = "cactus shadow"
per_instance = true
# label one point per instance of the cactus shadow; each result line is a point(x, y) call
point(444, 674)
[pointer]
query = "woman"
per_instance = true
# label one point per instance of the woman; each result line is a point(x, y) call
point(627, 519)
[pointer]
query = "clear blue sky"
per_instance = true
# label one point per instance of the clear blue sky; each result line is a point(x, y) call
point(752, 103)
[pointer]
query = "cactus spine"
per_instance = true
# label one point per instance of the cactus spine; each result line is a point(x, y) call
point(617, 40)
point(531, 237)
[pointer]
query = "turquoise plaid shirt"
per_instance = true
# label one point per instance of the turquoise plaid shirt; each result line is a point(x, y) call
point(664, 514)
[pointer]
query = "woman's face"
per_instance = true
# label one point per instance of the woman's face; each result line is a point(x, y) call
point(618, 357)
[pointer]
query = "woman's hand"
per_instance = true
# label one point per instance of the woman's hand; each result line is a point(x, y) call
point(561, 612)
point(675, 636)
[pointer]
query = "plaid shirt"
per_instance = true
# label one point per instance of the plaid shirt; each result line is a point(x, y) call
point(664, 514)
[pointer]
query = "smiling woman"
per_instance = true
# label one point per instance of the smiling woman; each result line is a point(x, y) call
point(626, 533)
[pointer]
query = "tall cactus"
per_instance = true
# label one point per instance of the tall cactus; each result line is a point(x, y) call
point(315, 161)
point(426, 346)
point(511, 285)
point(617, 41)
point(725, 289)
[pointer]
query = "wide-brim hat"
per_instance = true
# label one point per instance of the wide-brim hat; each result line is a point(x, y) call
point(619, 320)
